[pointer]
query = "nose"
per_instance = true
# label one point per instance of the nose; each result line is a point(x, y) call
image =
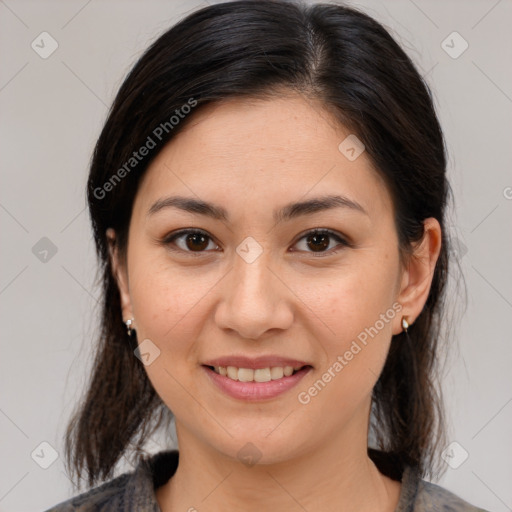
point(254, 299)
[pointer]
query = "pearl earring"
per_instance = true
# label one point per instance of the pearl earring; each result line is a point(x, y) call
point(129, 324)
point(405, 323)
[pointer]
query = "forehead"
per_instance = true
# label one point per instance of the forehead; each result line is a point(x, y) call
point(245, 152)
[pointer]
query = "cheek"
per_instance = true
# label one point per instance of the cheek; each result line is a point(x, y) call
point(356, 311)
point(155, 301)
point(168, 302)
point(351, 301)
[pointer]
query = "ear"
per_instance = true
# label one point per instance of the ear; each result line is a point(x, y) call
point(417, 278)
point(120, 273)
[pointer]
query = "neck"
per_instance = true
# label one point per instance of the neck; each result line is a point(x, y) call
point(332, 476)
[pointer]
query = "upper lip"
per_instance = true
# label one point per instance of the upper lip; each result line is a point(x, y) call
point(255, 362)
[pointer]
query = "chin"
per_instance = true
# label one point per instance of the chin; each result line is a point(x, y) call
point(258, 449)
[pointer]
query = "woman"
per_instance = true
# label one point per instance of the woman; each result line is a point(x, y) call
point(268, 201)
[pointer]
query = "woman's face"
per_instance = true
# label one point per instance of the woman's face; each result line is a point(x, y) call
point(256, 284)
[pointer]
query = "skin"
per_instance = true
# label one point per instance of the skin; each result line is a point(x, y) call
point(252, 157)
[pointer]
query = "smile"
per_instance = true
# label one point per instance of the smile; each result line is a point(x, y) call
point(255, 375)
point(255, 384)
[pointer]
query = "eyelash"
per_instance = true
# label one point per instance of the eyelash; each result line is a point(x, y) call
point(317, 231)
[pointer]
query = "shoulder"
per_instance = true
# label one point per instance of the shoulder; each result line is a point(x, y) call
point(131, 491)
point(421, 496)
point(107, 496)
point(434, 497)
point(416, 494)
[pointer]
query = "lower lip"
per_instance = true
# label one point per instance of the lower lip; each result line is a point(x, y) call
point(255, 391)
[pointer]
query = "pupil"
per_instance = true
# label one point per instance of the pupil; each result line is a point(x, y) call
point(319, 242)
point(322, 238)
point(195, 237)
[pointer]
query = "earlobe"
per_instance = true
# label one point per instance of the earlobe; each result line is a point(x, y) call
point(417, 278)
point(120, 274)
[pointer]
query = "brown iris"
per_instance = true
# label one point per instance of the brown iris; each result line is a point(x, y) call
point(320, 241)
point(196, 241)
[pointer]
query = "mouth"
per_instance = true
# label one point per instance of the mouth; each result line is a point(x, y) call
point(255, 384)
point(266, 374)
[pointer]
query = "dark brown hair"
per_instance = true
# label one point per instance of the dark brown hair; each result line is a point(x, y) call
point(258, 49)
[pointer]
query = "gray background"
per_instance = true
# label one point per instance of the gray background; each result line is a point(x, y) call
point(52, 111)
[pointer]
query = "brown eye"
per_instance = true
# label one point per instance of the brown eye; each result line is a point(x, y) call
point(196, 241)
point(191, 240)
point(319, 240)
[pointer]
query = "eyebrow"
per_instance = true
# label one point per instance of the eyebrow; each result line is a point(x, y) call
point(288, 212)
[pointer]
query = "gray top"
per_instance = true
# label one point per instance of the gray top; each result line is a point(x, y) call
point(135, 491)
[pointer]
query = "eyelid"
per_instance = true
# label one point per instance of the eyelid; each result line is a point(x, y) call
point(342, 240)
point(168, 240)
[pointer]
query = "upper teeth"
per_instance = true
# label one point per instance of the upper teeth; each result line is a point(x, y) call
point(258, 375)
